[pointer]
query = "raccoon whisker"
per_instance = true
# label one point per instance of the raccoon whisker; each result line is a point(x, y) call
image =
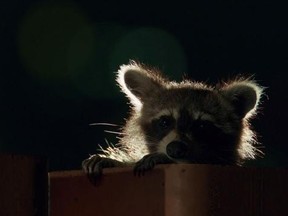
point(110, 144)
point(100, 148)
point(103, 124)
point(113, 132)
point(259, 152)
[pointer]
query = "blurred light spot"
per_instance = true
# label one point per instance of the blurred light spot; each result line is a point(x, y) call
point(45, 36)
point(59, 46)
point(91, 74)
point(154, 47)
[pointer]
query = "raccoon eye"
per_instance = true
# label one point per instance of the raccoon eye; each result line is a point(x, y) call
point(204, 125)
point(165, 122)
point(206, 131)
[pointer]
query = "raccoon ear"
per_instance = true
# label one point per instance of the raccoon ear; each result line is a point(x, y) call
point(137, 83)
point(244, 96)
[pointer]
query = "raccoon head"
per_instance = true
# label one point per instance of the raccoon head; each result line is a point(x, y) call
point(190, 121)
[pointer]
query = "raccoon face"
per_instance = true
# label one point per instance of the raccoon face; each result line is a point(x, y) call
point(188, 121)
point(196, 126)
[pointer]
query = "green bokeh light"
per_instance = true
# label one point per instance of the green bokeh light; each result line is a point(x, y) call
point(92, 75)
point(154, 47)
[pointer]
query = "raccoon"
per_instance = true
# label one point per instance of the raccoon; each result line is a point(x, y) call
point(181, 122)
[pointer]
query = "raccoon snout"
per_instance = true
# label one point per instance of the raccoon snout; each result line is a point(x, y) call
point(176, 149)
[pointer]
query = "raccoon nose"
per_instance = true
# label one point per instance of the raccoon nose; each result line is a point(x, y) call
point(176, 149)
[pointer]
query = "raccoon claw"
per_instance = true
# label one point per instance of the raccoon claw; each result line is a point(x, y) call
point(145, 164)
point(149, 161)
point(93, 167)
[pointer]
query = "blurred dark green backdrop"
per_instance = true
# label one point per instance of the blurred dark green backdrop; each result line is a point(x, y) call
point(58, 63)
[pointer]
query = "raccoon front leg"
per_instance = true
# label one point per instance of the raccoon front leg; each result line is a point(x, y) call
point(93, 166)
point(149, 161)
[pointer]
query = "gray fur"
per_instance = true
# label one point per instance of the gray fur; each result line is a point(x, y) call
point(190, 109)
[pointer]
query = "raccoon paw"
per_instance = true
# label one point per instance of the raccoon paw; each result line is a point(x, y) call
point(148, 162)
point(93, 167)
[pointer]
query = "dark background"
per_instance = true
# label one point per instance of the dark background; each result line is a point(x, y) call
point(58, 60)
